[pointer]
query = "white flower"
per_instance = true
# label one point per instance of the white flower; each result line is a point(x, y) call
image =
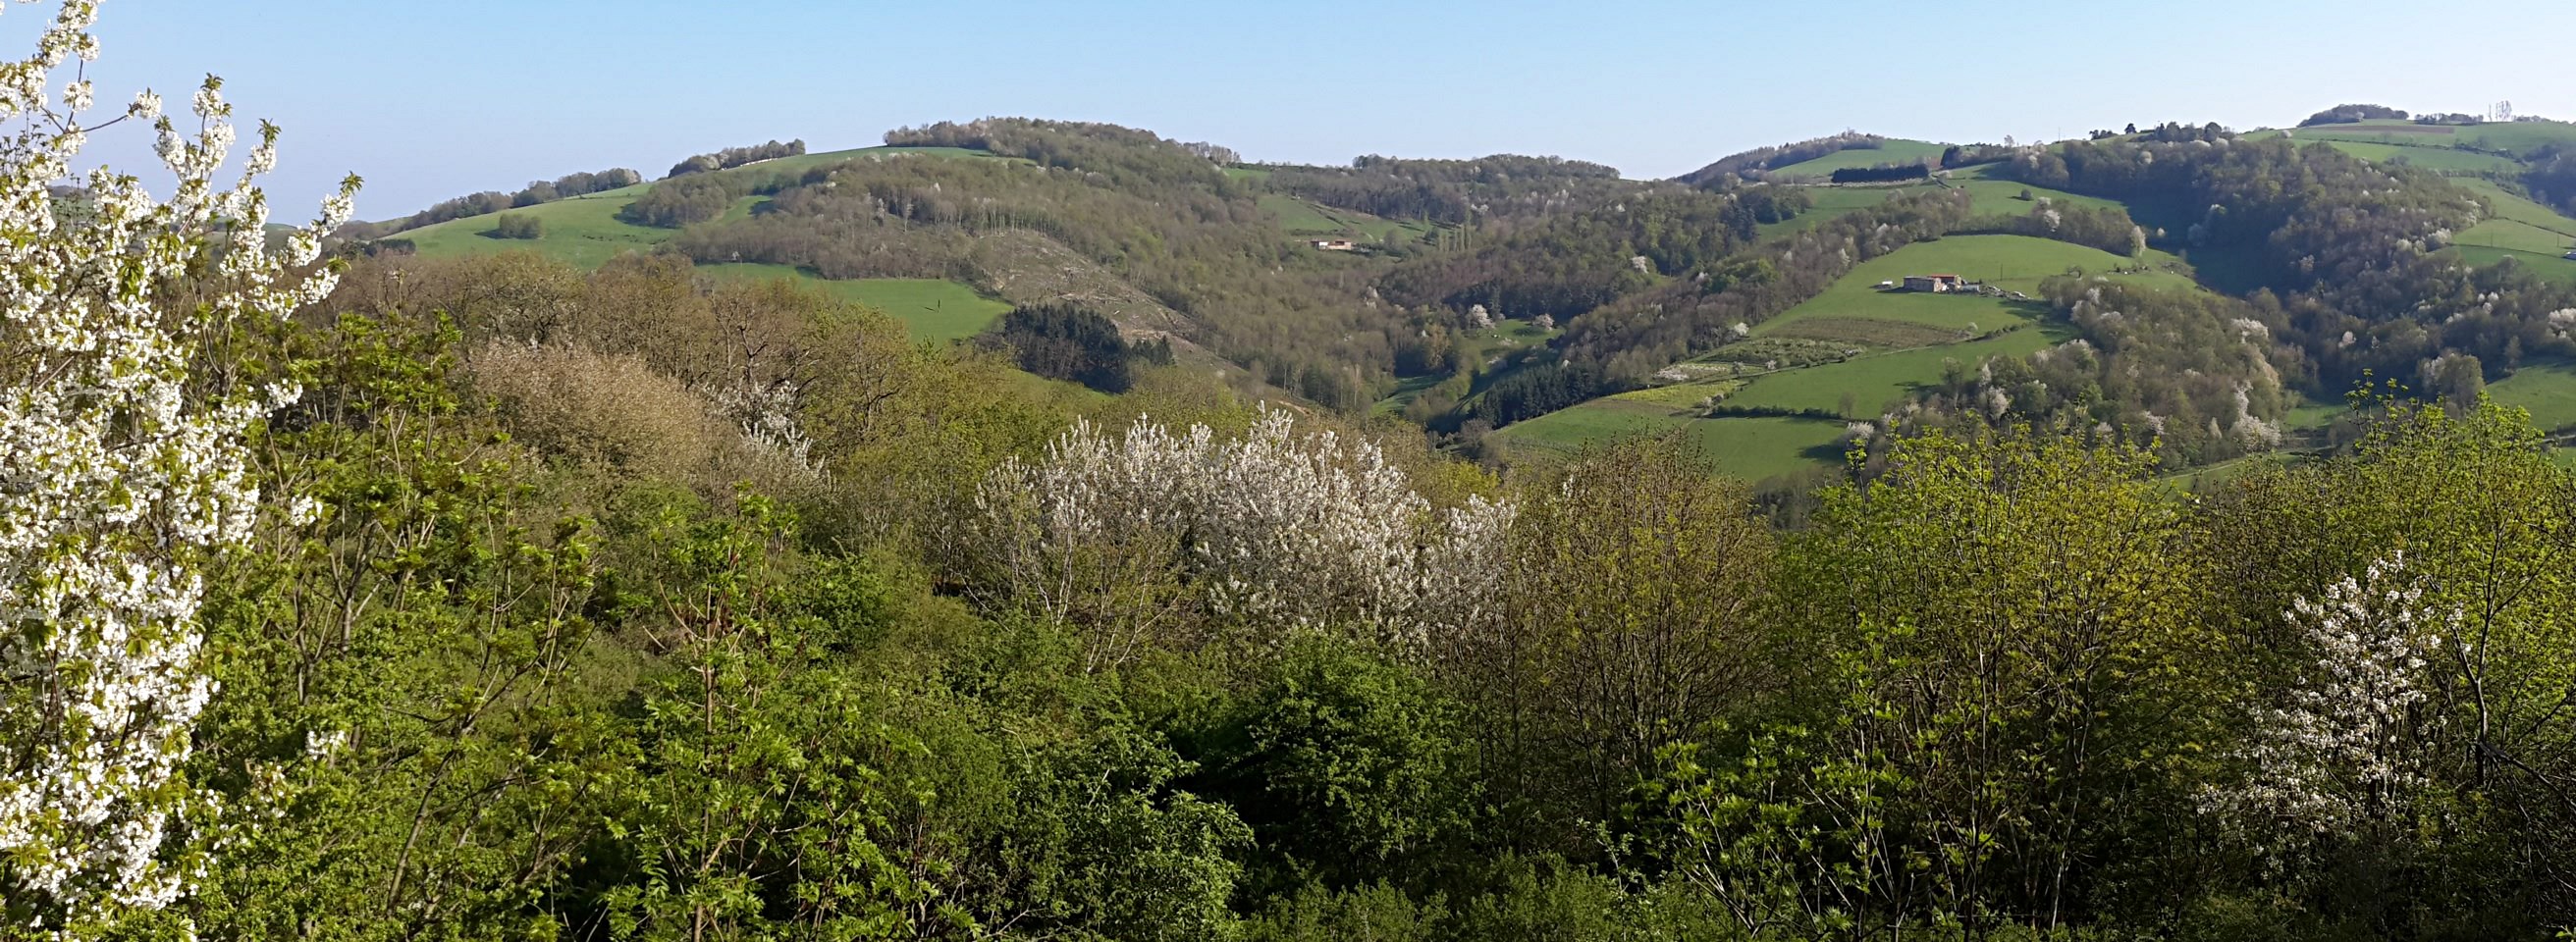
point(122, 470)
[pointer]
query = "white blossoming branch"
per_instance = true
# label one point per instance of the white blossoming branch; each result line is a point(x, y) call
point(121, 468)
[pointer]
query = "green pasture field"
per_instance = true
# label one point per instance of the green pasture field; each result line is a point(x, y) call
point(2518, 236)
point(2505, 205)
point(2003, 197)
point(2545, 264)
point(931, 308)
point(1827, 202)
point(583, 231)
point(1875, 381)
point(2016, 263)
point(2547, 390)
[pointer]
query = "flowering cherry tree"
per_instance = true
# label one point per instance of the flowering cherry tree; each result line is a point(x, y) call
point(122, 467)
point(2350, 748)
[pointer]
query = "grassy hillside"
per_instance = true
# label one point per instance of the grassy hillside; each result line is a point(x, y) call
point(934, 309)
point(2547, 390)
point(584, 231)
point(1892, 151)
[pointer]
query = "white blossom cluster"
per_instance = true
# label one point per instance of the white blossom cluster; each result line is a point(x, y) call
point(1275, 529)
point(122, 465)
point(2347, 749)
point(766, 416)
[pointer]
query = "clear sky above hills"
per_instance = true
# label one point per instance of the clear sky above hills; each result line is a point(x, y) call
point(430, 100)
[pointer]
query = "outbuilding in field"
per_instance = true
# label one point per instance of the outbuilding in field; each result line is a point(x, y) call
point(1936, 284)
point(1332, 245)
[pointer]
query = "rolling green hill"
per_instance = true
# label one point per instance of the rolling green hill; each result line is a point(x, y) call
point(584, 231)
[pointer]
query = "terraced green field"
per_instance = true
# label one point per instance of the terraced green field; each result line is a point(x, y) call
point(2016, 263)
point(1891, 152)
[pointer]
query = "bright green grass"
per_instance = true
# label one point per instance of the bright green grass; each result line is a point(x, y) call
point(583, 231)
point(1827, 202)
point(2545, 264)
point(2003, 197)
point(2548, 390)
point(2312, 414)
point(2517, 235)
point(931, 308)
point(1893, 152)
point(1751, 448)
point(2441, 158)
point(1875, 381)
point(2016, 263)
point(1258, 174)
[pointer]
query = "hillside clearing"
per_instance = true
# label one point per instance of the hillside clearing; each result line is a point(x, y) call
point(931, 308)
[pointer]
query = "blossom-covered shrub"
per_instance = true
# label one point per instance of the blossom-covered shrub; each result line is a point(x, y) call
point(1132, 533)
point(121, 468)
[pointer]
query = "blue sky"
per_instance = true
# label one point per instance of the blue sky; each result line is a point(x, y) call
point(430, 100)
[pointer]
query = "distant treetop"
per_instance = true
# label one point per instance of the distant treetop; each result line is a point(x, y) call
point(2348, 114)
point(734, 157)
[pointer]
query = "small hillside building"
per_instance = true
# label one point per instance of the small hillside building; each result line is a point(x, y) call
point(1936, 284)
point(1333, 245)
